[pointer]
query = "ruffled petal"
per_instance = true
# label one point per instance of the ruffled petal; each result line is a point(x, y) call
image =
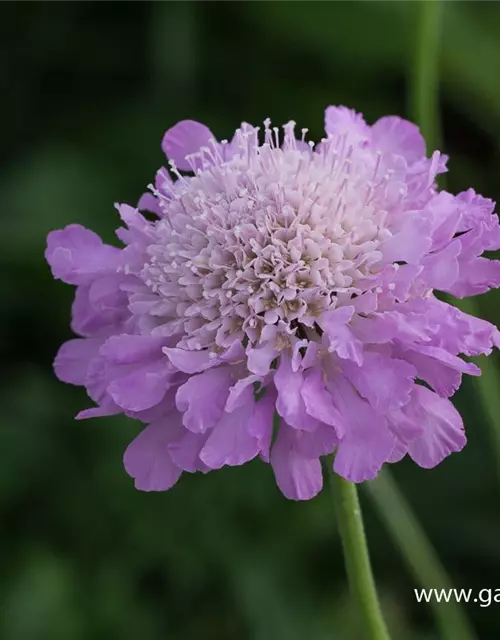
point(447, 359)
point(260, 424)
point(320, 442)
point(381, 328)
point(392, 134)
point(73, 359)
point(202, 398)
point(440, 269)
point(443, 431)
point(340, 338)
point(385, 382)
point(133, 349)
point(100, 309)
point(142, 388)
point(290, 404)
point(298, 477)
point(259, 359)
point(242, 392)
point(476, 276)
point(230, 442)
point(410, 243)
point(99, 412)
point(148, 202)
point(185, 452)
point(442, 378)
point(398, 453)
point(76, 255)
point(147, 458)
point(341, 121)
point(368, 442)
point(98, 378)
point(318, 401)
point(189, 361)
point(184, 138)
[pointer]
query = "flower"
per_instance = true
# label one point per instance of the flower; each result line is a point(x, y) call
point(280, 303)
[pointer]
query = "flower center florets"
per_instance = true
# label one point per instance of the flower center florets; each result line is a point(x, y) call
point(266, 235)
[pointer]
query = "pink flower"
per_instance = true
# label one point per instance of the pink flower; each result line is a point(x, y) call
point(283, 279)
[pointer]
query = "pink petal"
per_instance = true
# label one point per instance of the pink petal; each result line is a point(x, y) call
point(138, 227)
point(185, 452)
point(392, 134)
point(241, 392)
point(184, 138)
point(445, 210)
point(260, 424)
point(441, 377)
point(202, 398)
point(142, 388)
point(76, 255)
point(319, 402)
point(443, 428)
point(259, 359)
point(410, 243)
point(148, 202)
point(447, 359)
point(340, 338)
point(381, 328)
point(320, 442)
point(147, 458)
point(368, 441)
point(341, 121)
point(398, 453)
point(100, 308)
point(476, 276)
point(298, 477)
point(73, 359)
point(98, 412)
point(385, 382)
point(130, 349)
point(441, 268)
point(230, 442)
point(189, 361)
point(289, 404)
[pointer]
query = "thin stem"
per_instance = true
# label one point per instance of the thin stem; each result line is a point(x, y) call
point(425, 77)
point(419, 554)
point(357, 560)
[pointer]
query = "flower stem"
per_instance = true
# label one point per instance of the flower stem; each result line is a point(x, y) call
point(357, 561)
point(419, 554)
point(425, 76)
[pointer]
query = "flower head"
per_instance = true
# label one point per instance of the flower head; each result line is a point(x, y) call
point(283, 279)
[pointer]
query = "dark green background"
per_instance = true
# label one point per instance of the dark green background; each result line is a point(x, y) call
point(87, 91)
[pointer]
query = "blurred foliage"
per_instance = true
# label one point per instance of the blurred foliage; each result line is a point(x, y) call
point(88, 90)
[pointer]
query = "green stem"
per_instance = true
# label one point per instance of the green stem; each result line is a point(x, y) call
point(419, 554)
point(425, 76)
point(356, 557)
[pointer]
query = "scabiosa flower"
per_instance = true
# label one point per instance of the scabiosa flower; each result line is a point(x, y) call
point(280, 302)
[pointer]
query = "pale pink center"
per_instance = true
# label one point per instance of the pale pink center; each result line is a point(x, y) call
point(274, 235)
